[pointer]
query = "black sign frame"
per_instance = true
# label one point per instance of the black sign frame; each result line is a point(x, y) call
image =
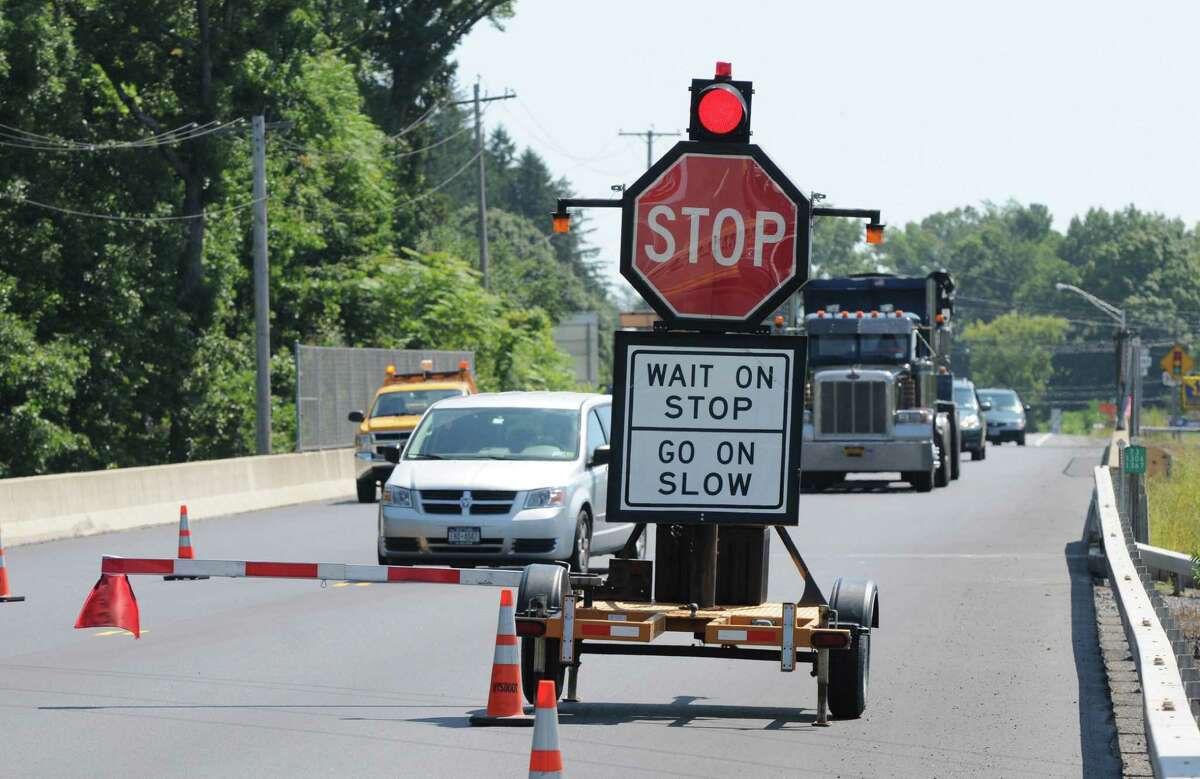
point(802, 245)
point(797, 346)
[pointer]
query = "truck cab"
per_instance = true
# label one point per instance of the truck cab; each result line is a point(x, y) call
point(394, 412)
point(875, 374)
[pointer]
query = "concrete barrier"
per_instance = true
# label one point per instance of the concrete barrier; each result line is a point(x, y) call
point(46, 508)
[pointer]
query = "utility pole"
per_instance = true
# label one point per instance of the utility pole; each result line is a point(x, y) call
point(262, 294)
point(649, 135)
point(1122, 375)
point(482, 229)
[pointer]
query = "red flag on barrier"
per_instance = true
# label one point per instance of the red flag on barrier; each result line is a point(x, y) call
point(111, 604)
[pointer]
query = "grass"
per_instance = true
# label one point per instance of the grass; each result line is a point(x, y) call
point(1175, 501)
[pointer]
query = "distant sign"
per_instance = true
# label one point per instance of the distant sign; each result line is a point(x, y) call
point(1133, 459)
point(706, 429)
point(1177, 361)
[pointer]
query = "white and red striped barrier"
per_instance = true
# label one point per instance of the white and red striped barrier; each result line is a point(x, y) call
point(333, 572)
point(111, 602)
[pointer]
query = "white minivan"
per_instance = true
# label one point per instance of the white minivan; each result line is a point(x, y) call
point(504, 478)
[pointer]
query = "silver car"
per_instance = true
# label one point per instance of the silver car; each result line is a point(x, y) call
point(511, 478)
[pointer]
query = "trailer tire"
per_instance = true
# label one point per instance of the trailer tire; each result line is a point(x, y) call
point(542, 588)
point(857, 604)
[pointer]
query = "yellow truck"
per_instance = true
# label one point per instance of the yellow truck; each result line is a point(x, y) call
point(395, 411)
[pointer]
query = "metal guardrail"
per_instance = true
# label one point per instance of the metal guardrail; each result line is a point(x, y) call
point(1166, 560)
point(1172, 736)
point(1145, 429)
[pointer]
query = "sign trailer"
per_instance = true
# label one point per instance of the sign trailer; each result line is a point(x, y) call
point(707, 419)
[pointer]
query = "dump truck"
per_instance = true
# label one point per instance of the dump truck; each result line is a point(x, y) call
point(880, 390)
point(394, 413)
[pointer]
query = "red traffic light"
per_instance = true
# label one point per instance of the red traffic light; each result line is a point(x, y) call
point(721, 109)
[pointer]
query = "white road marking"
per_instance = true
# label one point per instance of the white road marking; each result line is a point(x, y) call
point(1045, 437)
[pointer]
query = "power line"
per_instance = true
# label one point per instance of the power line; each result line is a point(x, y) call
point(118, 218)
point(17, 138)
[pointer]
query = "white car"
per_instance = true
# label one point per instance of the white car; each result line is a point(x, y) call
point(510, 478)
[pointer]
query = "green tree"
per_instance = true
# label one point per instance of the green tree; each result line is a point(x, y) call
point(1015, 351)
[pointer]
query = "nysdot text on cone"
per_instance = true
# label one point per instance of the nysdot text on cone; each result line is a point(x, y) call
point(504, 690)
point(545, 759)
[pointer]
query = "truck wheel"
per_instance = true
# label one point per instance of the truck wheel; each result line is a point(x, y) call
point(541, 591)
point(1021, 440)
point(956, 459)
point(366, 489)
point(978, 454)
point(921, 481)
point(856, 601)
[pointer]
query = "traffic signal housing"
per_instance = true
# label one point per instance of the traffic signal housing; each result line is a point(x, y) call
point(720, 108)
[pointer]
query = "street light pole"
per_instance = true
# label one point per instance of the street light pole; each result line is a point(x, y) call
point(1123, 358)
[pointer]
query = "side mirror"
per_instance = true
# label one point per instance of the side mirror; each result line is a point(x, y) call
point(1026, 408)
point(355, 416)
point(602, 456)
point(392, 454)
point(985, 405)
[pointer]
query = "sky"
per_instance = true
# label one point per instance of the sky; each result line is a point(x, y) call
point(910, 107)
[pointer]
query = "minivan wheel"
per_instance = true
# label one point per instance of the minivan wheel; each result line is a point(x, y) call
point(581, 552)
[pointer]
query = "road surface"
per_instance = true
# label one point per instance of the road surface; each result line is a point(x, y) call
point(985, 663)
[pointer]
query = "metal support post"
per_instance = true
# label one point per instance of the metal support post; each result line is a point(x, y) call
point(704, 571)
point(1135, 417)
point(1122, 357)
point(262, 294)
point(822, 671)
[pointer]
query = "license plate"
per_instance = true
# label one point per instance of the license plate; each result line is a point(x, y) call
point(853, 451)
point(462, 535)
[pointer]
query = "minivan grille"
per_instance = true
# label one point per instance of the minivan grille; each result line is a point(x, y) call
point(481, 501)
point(854, 407)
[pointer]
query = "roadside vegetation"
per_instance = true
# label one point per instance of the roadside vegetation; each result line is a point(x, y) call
point(1175, 500)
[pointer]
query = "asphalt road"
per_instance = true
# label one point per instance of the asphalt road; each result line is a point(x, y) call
point(985, 664)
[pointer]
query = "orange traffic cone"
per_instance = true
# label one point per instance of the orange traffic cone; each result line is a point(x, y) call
point(545, 761)
point(504, 693)
point(6, 595)
point(185, 536)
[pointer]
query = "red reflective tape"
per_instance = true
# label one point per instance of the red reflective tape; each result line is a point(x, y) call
point(506, 640)
point(760, 635)
point(185, 532)
point(117, 565)
point(283, 570)
point(545, 760)
point(429, 575)
point(594, 630)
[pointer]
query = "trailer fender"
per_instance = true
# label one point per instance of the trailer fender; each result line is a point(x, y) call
point(542, 588)
point(856, 601)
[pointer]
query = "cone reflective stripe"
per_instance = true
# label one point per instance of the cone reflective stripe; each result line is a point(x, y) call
point(545, 760)
point(185, 535)
point(504, 692)
point(111, 604)
point(6, 595)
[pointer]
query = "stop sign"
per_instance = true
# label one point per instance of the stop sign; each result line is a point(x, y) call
point(714, 234)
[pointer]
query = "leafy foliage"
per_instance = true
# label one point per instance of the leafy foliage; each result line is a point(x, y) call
point(1014, 351)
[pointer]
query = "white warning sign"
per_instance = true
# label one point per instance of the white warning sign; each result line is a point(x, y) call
point(707, 428)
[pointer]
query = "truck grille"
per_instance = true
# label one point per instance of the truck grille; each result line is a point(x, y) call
point(854, 407)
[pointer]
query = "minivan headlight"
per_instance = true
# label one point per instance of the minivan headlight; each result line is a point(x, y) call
point(545, 498)
point(397, 496)
point(970, 422)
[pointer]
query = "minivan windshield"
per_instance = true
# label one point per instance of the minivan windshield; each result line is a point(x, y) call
point(496, 434)
point(409, 402)
point(965, 398)
point(1002, 400)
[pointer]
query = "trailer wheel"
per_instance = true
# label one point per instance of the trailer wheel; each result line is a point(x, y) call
point(922, 481)
point(857, 604)
point(542, 589)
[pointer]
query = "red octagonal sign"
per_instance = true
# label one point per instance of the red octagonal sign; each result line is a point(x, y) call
point(714, 234)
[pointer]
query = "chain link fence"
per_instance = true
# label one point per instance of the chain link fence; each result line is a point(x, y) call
point(332, 381)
